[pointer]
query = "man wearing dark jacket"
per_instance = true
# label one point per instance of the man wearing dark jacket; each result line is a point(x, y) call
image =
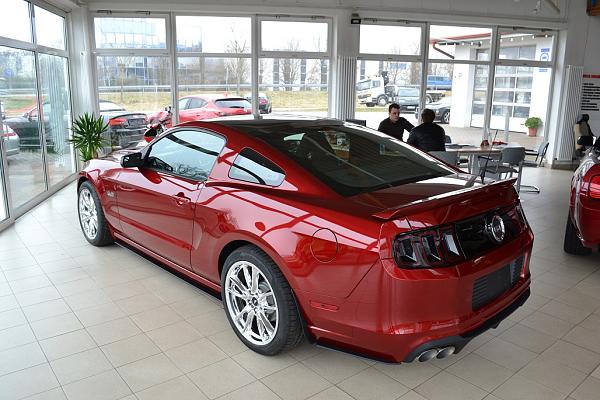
point(395, 125)
point(428, 136)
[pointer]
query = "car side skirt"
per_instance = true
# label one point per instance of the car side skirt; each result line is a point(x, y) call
point(190, 274)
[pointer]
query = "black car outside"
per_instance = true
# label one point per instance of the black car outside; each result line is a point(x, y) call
point(441, 110)
point(124, 127)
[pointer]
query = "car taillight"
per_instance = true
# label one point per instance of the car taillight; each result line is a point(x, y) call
point(117, 121)
point(427, 249)
point(447, 245)
point(594, 190)
point(9, 134)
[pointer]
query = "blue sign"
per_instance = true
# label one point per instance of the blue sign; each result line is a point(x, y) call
point(544, 56)
point(8, 73)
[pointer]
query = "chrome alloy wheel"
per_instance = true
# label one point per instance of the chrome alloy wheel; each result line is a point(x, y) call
point(88, 215)
point(251, 303)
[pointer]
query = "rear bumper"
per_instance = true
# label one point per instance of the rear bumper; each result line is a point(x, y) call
point(460, 341)
point(395, 314)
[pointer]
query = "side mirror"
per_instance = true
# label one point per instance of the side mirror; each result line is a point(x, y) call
point(132, 160)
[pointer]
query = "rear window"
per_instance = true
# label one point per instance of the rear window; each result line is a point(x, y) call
point(233, 103)
point(351, 160)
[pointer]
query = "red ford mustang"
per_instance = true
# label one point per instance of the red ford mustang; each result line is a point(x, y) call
point(319, 228)
point(582, 233)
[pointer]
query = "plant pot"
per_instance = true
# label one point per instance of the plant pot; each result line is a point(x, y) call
point(532, 132)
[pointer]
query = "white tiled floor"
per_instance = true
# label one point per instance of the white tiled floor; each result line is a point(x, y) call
point(79, 322)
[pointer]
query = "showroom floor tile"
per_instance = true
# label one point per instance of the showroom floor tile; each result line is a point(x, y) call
point(79, 322)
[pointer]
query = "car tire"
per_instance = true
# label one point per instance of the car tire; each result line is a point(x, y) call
point(445, 117)
point(428, 99)
point(370, 104)
point(382, 100)
point(91, 216)
point(572, 244)
point(278, 326)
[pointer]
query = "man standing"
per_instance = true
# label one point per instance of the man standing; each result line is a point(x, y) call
point(395, 125)
point(428, 136)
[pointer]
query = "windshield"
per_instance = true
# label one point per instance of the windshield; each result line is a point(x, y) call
point(351, 160)
point(363, 85)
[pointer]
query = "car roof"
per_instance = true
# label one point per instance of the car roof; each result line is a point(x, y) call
point(250, 120)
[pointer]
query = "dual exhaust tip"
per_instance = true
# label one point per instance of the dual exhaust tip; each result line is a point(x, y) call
point(442, 352)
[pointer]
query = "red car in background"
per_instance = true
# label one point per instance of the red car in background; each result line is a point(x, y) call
point(318, 228)
point(582, 232)
point(204, 106)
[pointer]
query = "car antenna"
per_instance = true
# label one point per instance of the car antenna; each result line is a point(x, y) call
point(489, 155)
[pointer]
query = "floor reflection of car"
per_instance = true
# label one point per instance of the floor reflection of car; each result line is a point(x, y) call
point(582, 233)
point(264, 103)
point(125, 127)
point(441, 109)
point(317, 227)
point(206, 106)
point(11, 140)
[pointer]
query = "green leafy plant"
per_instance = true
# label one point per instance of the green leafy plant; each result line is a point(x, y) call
point(533, 122)
point(88, 135)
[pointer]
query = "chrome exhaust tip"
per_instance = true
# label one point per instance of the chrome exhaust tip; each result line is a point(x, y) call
point(428, 355)
point(446, 351)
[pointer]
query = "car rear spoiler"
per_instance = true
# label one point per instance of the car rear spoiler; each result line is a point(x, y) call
point(442, 200)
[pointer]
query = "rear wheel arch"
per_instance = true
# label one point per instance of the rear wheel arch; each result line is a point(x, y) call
point(239, 242)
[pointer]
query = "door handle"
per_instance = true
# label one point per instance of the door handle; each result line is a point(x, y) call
point(181, 199)
point(126, 188)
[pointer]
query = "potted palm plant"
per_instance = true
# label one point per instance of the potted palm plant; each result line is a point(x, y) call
point(533, 123)
point(88, 136)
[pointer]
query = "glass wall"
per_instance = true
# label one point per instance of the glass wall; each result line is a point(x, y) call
point(388, 71)
point(293, 71)
point(25, 173)
point(213, 71)
point(54, 79)
point(35, 105)
point(132, 89)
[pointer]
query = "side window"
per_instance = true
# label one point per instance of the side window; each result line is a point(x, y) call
point(183, 103)
point(249, 166)
point(190, 154)
point(196, 103)
point(376, 84)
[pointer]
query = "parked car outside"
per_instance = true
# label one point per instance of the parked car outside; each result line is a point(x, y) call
point(264, 102)
point(407, 97)
point(321, 228)
point(441, 109)
point(125, 127)
point(582, 232)
point(11, 140)
point(205, 106)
